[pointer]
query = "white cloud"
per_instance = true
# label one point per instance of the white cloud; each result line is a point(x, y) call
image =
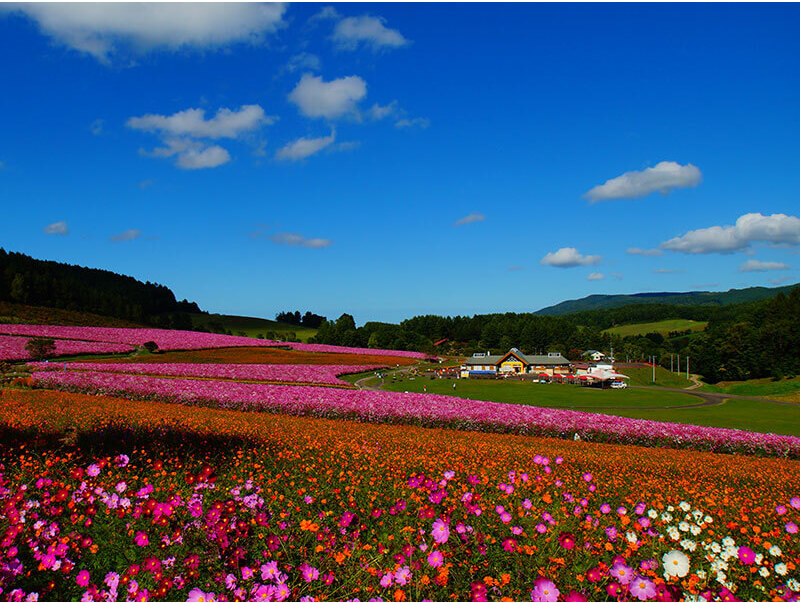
point(303, 61)
point(57, 228)
point(378, 112)
point(198, 159)
point(317, 98)
point(757, 266)
point(190, 154)
point(180, 133)
point(668, 271)
point(664, 177)
point(616, 275)
point(350, 32)
point(97, 127)
point(419, 122)
point(470, 219)
point(568, 257)
point(294, 239)
point(304, 147)
point(779, 281)
point(638, 251)
point(192, 122)
point(128, 235)
point(596, 276)
point(777, 229)
point(105, 29)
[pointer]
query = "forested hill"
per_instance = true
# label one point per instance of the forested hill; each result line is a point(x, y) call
point(26, 280)
point(689, 298)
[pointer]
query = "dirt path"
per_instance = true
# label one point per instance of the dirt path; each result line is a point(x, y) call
point(695, 379)
point(711, 398)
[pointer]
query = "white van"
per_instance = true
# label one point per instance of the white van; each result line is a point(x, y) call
point(618, 385)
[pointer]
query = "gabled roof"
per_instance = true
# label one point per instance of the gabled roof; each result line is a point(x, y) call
point(492, 359)
point(528, 360)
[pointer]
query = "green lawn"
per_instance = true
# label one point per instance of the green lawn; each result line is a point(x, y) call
point(664, 378)
point(662, 326)
point(251, 326)
point(757, 387)
point(643, 403)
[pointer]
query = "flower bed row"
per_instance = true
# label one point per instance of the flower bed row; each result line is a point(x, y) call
point(288, 373)
point(183, 340)
point(13, 348)
point(380, 406)
point(308, 509)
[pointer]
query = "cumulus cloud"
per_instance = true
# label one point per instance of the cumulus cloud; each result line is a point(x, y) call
point(294, 239)
point(317, 98)
point(596, 276)
point(183, 133)
point(378, 112)
point(57, 228)
point(664, 177)
point(192, 122)
point(776, 229)
point(304, 147)
point(638, 251)
point(351, 32)
point(470, 219)
point(105, 29)
point(568, 257)
point(416, 122)
point(128, 235)
point(757, 266)
point(303, 61)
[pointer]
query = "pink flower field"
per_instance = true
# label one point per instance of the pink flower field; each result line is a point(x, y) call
point(323, 374)
point(183, 340)
point(13, 348)
point(433, 410)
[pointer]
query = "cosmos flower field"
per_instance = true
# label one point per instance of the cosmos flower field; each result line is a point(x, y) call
point(129, 486)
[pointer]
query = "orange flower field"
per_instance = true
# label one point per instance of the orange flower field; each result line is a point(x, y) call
point(109, 499)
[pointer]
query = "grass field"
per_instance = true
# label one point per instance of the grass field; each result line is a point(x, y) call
point(758, 387)
point(251, 326)
point(662, 326)
point(664, 378)
point(643, 403)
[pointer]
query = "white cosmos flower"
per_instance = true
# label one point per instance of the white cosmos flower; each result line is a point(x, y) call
point(764, 572)
point(689, 545)
point(780, 569)
point(652, 513)
point(675, 564)
point(685, 506)
point(715, 547)
point(683, 526)
point(775, 551)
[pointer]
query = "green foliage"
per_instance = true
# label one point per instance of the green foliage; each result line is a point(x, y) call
point(40, 348)
point(26, 280)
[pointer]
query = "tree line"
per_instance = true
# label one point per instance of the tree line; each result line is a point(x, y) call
point(742, 341)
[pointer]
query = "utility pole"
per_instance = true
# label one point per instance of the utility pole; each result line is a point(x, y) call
point(679, 364)
point(670, 364)
point(687, 367)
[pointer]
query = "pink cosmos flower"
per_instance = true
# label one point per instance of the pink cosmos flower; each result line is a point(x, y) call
point(82, 578)
point(269, 570)
point(197, 594)
point(309, 573)
point(544, 590)
point(791, 527)
point(403, 575)
point(746, 555)
point(141, 539)
point(505, 517)
point(440, 531)
point(93, 470)
point(247, 573)
point(780, 509)
point(621, 572)
point(795, 502)
point(642, 588)
point(387, 580)
point(435, 559)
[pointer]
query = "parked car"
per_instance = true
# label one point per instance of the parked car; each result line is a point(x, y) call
point(618, 385)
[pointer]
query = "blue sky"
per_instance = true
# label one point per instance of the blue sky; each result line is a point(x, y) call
point(389, 160)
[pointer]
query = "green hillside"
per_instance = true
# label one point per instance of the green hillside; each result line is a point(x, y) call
point(250, 326)
point(665, 327)
point(689, 298)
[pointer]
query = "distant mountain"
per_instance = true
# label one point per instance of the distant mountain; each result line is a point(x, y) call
point(689, 298)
